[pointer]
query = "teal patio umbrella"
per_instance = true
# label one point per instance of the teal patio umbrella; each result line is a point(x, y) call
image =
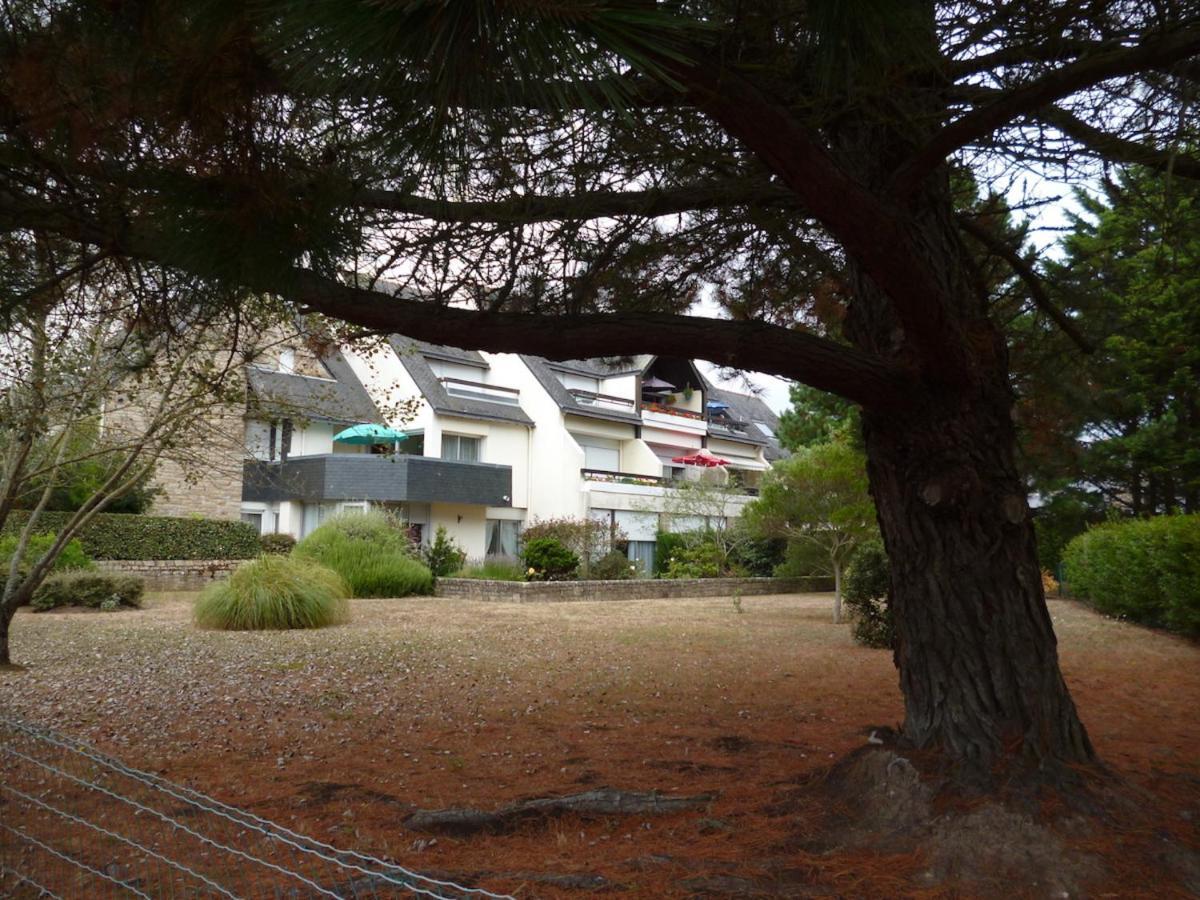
point(369, 434)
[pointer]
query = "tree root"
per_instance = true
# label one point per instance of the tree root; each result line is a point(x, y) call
point(602, 801)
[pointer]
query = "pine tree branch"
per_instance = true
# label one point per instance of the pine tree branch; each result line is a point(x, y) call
point(534, 208)
point(870, 229)
point(1154, 52)
point(756, 346)
point(1024, 271)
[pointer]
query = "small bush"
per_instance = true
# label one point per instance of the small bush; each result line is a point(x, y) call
point(759, 557)
point(71, 557)
point(865, 593)
point(127, 536)
point(496, 568)
point(589, 539)
point(547, 559)
point(371, 552)
point(613, 567)
point(702, 560)
point(275, 592)
point(277, 543)
point(91, 589)
point(667, 544)
point(444, 556)
point(1144, 570)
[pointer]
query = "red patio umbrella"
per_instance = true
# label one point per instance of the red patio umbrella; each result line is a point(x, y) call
point(700, 458)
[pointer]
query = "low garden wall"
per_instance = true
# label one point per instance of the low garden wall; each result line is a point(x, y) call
point(634, 589)
point(171, 574)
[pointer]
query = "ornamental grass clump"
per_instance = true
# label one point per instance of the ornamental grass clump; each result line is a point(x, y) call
point(371, 552)
point(273, 593)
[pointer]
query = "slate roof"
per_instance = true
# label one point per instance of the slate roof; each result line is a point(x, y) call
point(598, 368)
point(543, 370)
point(415, 355)
point(341, 398)
point(440, 351)
point(750, 410)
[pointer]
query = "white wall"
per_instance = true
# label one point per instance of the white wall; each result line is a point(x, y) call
point(389, 384)
point(554, 487)
point(467, 524)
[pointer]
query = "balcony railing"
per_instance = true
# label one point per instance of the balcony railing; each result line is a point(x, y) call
point(477, 390)
point(607, 477)
point(591, 398)
point(729, 425)
point(672, 411)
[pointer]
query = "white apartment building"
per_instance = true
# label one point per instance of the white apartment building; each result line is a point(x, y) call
point(500, 440)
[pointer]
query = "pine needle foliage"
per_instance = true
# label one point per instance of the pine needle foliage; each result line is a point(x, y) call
point(275, 593)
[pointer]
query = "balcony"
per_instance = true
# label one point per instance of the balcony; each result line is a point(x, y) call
point(674, 418)
point(360, 476)
point(604, 401)
point(602, 476)
point(478, 390)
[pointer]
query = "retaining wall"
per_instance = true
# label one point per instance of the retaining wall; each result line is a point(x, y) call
point(634, 589)
point(172, 574)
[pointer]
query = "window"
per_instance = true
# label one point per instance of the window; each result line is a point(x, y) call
point(641, 554)
point(255, 519)
point(461, 448)
point(502, 537)
point(602, 454)
point(287, 360)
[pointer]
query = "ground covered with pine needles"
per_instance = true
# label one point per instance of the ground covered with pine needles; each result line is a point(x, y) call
point(429, 704)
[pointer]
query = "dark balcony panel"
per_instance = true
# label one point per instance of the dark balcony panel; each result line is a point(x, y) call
point(433, 480)
point(355, 476)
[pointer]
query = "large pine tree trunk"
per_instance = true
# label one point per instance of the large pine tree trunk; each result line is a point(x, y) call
point(975, 647)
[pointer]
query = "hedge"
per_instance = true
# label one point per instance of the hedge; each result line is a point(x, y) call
point(97, 590)
point(1145, 570)
point(130, 536)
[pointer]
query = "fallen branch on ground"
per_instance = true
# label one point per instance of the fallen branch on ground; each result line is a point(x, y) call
point(602, 801)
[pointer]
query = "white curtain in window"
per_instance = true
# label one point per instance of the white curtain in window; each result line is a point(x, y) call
point(502, 537)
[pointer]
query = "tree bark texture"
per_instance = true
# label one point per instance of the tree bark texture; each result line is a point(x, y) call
point(975, 648)
point(6, 615)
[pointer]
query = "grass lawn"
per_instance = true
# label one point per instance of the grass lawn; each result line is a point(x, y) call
point(426, 702)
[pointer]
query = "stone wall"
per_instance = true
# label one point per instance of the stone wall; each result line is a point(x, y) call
point(204, 478)
point(171, 574)
point(634, 589)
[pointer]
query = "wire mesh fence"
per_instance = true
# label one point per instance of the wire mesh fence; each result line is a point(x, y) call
point(77, 823)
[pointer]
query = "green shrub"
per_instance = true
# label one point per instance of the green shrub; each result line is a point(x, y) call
point(127, 536)
point(496, 568)
point(1144, 570)
point(759, 557)
point(702, 560)
point(92, 589)
point(444, 556)
point(865, 593)
point(71, 557)
point(275, 592)
point(803, 559)
point(277, 543)
point(589, 539)
point(547, 559)
point(667, 544)
point(371, 552)
point(613, 567)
